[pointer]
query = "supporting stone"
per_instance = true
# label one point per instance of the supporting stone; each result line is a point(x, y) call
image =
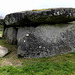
point(10, 34)
point(1, 21)
point(44, 41)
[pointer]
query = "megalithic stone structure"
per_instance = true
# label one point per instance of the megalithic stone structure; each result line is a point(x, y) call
point(50, 16)
point(41, 33)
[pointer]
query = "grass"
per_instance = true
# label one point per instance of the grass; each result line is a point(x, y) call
point(1, 32)
point(56, 65)
point(1, 26)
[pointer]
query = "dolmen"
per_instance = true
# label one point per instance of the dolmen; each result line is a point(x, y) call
point(41, 33)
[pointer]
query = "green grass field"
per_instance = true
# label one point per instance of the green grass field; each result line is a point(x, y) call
point(1, 26)
point(1, 30)
point(56, 65)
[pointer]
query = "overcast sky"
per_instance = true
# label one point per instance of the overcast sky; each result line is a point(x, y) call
point(10, 6)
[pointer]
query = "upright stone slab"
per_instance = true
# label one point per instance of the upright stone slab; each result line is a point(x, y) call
point(10, 34)
point(44, 41)
point(1, 21)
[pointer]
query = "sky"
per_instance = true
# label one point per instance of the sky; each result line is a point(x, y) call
point(11, 6)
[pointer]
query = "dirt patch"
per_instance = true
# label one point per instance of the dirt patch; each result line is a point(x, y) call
point(11, 59)
point(7, 61)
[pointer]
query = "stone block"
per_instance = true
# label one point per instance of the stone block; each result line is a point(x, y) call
point(10, 34)
point(45, 41)
point(35, 18)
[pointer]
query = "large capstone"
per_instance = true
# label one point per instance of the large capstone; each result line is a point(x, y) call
point(34, 18)
point(46, 40)
point(10, 34)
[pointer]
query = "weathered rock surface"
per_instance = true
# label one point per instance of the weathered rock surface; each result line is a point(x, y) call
point(34, 18)
point(38, 35)
point(1, 21)
point(10, 34)
point(46, 40)
point(3, 51)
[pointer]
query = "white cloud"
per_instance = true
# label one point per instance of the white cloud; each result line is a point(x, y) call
point(9, 6)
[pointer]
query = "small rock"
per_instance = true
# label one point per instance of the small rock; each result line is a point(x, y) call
point(3, 51)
